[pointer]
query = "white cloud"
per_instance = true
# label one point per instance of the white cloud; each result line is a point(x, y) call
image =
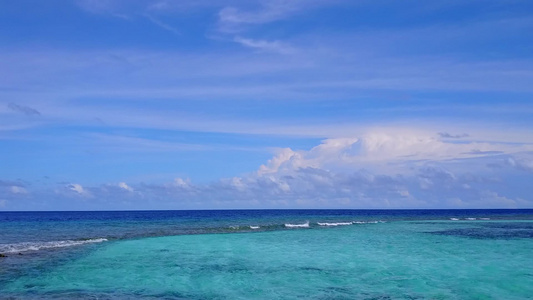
point(522, 162)
point(75, 187)
point(311, 181)
point(337, 174)
point(126, 187)
point(18, 190)
point(181, 183)
point(273, 165)
point(268, 46)
point(378, 148)
point(159, 5)
point(385, 168)
point(232, 18)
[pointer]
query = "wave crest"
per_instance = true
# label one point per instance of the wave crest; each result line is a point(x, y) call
point(304, 225)
point(36, 246)
point(335, 224)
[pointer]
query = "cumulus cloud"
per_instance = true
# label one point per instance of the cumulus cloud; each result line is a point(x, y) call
point(333, 174)
point(14, 188)
point(356, 172)
point(126, 187)
point(182, 183)
point(18, 190)
point(381, 148)
point(314, 187)
point(522, 163)
point(343, 173)
point(78, 189)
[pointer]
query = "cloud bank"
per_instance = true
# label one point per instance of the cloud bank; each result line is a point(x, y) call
point(375, 170)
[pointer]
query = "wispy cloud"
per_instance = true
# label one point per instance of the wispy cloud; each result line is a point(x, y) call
point(116, 8)
point(522, 162)
point(268, 46)
point(23, 109)
point(76, 188)
point(453, 136)
point(124, 143)
point(232, 19)
point(162, 24)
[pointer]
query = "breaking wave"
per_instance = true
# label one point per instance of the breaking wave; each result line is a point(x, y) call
point(368, 222)
point(304, 225)
point(335, 224)
point(35, 246)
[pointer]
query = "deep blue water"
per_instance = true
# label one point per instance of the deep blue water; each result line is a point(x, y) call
point(47, 226)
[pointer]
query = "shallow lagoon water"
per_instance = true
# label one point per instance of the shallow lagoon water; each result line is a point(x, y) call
point(404, 257)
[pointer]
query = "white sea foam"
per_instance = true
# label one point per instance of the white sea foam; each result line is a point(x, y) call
point(484, 218)
point(470, 219)
point(254, 227)
point(454, 219)
point(367, 222)
point(335, 224)
point(304, 225)
point(35, 246)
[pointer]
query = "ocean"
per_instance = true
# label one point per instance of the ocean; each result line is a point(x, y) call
point(267, 254)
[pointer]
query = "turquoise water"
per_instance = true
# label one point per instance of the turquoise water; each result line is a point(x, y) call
point(363, 257)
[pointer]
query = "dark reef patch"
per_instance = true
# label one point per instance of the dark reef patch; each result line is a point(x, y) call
point(493, 231)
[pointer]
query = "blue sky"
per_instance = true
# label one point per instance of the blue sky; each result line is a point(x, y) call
point(153, 104)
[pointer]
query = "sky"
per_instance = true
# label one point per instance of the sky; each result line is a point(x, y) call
point(246, 104)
